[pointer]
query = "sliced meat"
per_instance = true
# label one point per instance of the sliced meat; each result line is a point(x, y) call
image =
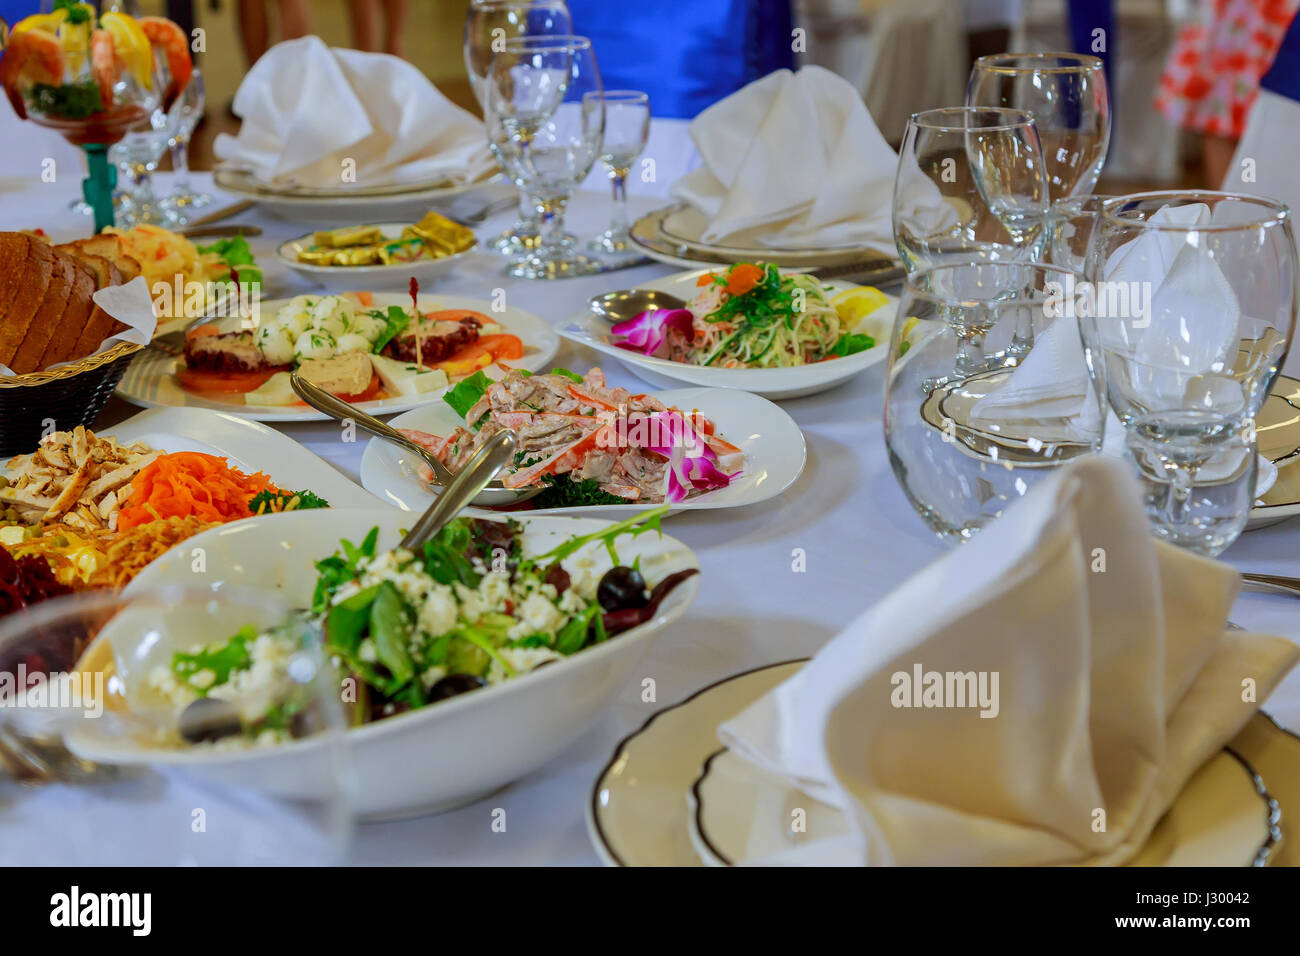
point(228, 352)
point(438, 340)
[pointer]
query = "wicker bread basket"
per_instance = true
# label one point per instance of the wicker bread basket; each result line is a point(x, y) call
point(69, 395)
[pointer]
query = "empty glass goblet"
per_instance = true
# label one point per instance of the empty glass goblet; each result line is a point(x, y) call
point(548, 133)
point(1193, 306)
point(182, 118)
point(627, 127)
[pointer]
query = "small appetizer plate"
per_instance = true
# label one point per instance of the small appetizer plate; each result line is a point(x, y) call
point(248, 445)
point(151, 378)
point(774, 447)
point(1278, 428)
point(774, 383)
point(654, 803)
point(428, 760)
point(393, 277)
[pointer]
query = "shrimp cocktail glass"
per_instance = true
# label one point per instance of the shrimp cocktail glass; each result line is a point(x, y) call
point(92, 78)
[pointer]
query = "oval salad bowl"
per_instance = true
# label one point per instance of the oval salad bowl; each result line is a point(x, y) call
point(435, 757)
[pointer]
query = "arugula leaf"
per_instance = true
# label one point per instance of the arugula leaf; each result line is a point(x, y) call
point(395, 321)
point(347, 621)
point(565, 373)
point(336, 571)
point(235, 251)
point(636, 525)
point(466, 393)
point(390, 629)
point(851, 342)
point(446, 565)
point(221, 659)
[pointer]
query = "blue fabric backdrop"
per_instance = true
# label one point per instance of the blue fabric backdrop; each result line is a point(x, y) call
point(687, 54)
point(1283, 76)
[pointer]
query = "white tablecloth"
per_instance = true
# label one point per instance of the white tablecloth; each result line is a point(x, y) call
point(860, 536)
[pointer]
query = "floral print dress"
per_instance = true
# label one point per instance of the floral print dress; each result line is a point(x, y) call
point(1212, 75)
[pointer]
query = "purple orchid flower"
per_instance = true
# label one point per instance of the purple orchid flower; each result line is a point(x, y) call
point(647, 332)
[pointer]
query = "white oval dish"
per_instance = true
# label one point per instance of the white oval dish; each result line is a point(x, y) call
point(774, 383)
point(432, 759)
point(393, 277)
point(774, 447)
point(151, 380)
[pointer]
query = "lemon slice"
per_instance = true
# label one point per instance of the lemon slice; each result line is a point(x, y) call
point(45, 22)
point(855, 304)
point(131, 45)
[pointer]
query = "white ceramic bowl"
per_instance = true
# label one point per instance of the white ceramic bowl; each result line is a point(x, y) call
point(440, 756)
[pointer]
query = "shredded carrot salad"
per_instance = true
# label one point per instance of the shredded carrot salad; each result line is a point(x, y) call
point(190, 484)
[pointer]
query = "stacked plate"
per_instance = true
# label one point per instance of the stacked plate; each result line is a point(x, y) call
point(672, 796)
point(673, 235)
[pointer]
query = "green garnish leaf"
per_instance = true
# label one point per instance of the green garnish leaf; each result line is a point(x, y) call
point(396, 319)
point(390, 629)
point(221, 659)
point(67, 101)
point(851, 342)
point(265, 501)
point(565, 373)
point(466, 393)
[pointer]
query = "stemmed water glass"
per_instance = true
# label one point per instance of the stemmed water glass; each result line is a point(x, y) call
point(488, 24)
point(1195, 306)
point(627, 127)
point(547, 132)
point(1066, 94)
point(137, 156)
point(971, 187)
point(182, 119)
point(965, 448)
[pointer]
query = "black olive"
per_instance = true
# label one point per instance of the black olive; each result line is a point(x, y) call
point(454, 684)
point(621, 587)
point(209, 718)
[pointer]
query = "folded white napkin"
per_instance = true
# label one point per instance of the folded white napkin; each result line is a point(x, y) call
point(1115, 680)
point(794, 159)
point(306, 109)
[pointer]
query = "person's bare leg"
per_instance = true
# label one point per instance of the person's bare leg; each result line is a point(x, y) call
point(362, 14)
point(394, 24)
point(252, 29)
point(1217, 154)
point(295, 19)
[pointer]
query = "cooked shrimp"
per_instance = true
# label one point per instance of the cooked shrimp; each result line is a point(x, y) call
point(32, 55)
point(175, 46)
point(105, 66)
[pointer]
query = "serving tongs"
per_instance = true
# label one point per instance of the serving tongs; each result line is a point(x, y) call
point(491, 493)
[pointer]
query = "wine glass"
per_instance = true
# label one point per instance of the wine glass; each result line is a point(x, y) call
point(197, 726)
point(488, 24)
point(182, 118)
point(549, 131)
point(964, 448)
point(1066, 94)
point(971, 187)
point(627, 127)
point(1195, 305)
point(137, 156)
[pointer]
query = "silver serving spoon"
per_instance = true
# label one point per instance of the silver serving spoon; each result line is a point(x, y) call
point(629, 303)
point(493, 493)
point(493, 455)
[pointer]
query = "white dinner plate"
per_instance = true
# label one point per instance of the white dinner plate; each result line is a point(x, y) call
point(1278, 430)
point(775, 454)
point(340, 204)
point(775, 383)
point(247, 445)
point(395, 276)
point(640, 811)
point(150, 380)
point(427, 760)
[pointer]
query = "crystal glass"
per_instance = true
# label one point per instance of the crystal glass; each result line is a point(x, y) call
point(137, 156)
point(182, 119)
point(1194, 306)
point(627, 127)
point(488, 24)
point(1071, 225)
point(137, 743)
point(971, 187)
point(1066, 94)
point(964, 448)
point(549, 131)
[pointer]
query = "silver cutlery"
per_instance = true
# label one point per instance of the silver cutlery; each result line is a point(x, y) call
point(491, 457)
point(225, 212)
point(219, 230)
point(626, 304)
point(492, 492)
point(173, 343)
point(1271, 583)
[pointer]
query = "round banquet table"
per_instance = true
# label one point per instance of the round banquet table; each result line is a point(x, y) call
point(846, 513)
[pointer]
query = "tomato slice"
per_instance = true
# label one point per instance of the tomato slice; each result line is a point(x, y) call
point(201, 380)
point(503, 346)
